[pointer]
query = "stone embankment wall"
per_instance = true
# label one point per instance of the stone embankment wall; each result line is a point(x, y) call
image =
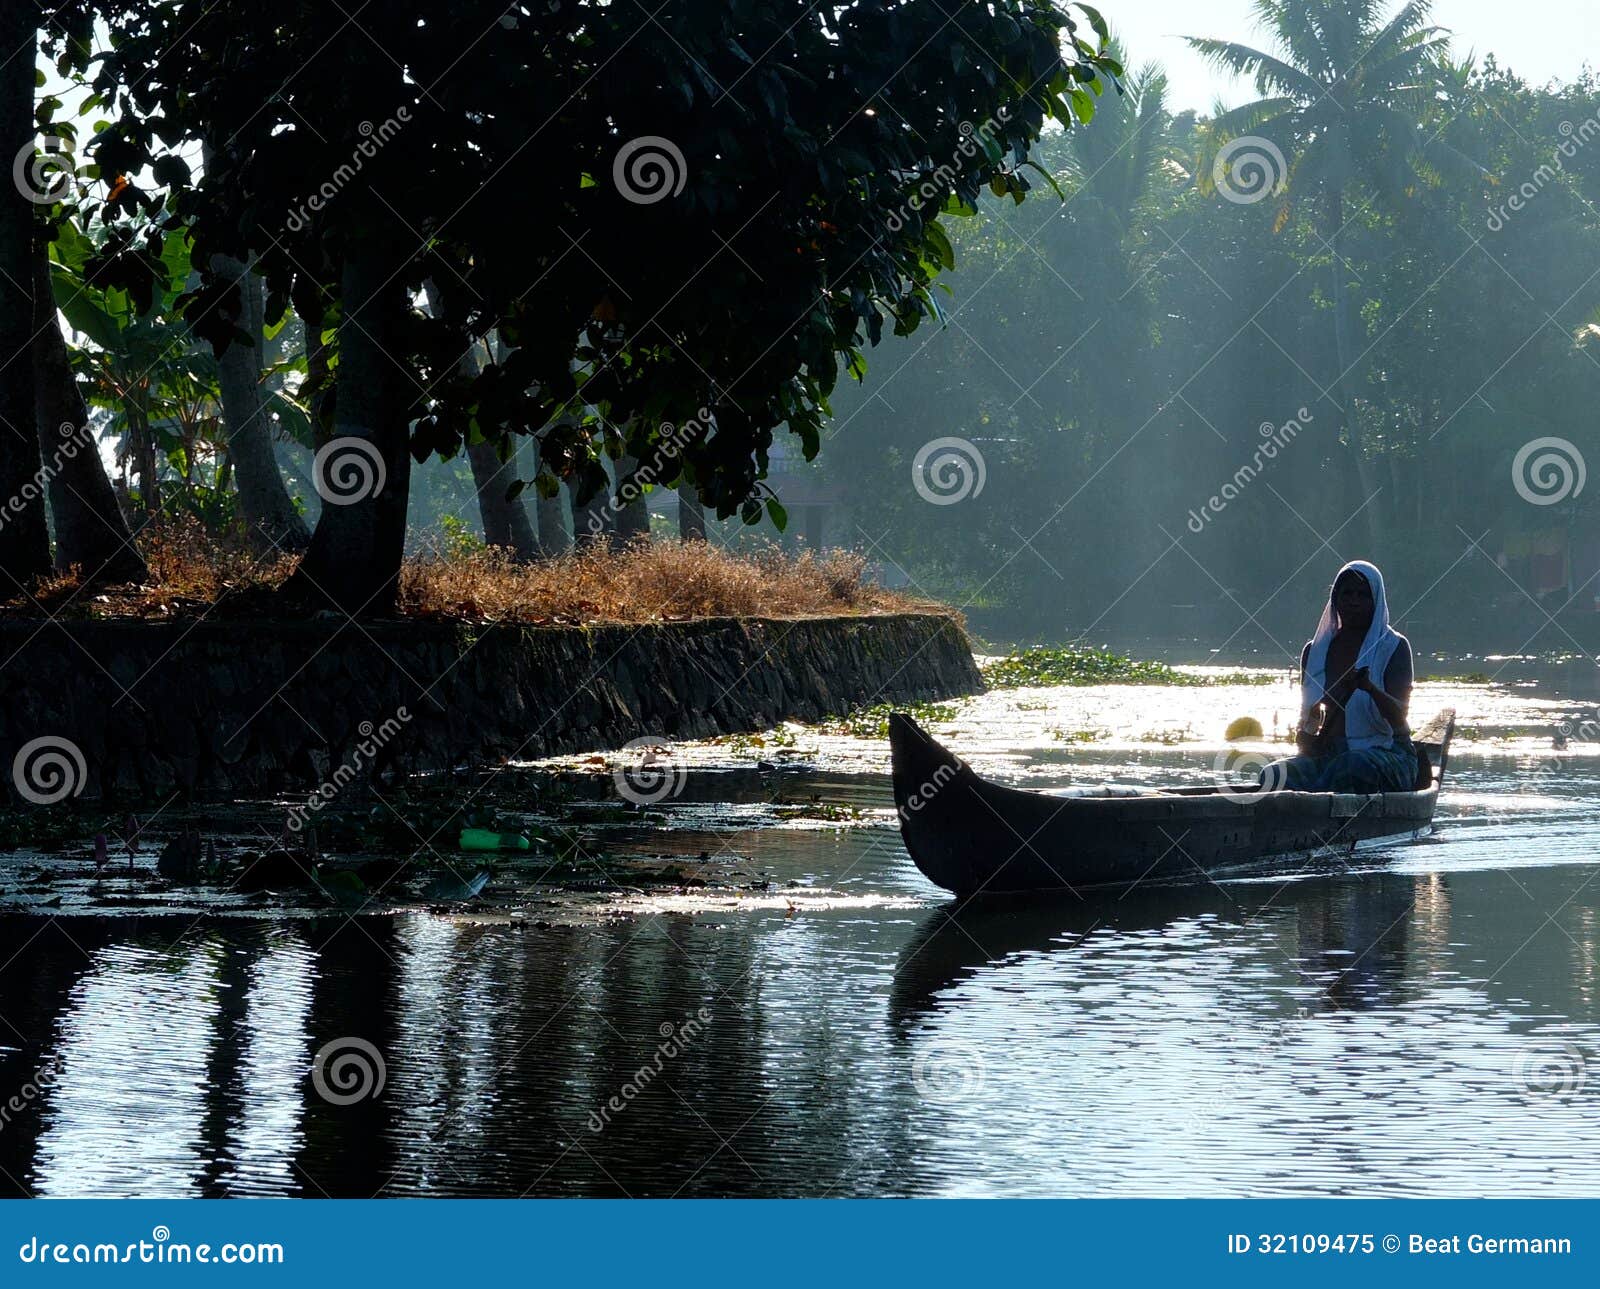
point(138, 711)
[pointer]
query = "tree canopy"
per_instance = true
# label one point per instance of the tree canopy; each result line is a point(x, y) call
point(683, 224)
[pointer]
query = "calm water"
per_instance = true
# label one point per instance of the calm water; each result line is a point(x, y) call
point(1422, 1020)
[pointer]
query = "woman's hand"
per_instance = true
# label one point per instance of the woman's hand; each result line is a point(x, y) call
point(1360, 679)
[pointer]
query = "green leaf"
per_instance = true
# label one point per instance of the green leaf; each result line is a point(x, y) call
point(778, 515)
point(1098, 22)
point(1048, 177)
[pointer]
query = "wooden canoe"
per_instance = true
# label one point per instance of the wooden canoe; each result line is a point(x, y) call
point(972, 836)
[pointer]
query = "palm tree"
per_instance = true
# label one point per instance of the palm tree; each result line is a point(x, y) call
point(1113, 165)
point(1344, 99)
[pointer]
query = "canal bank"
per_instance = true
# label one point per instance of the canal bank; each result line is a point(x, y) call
point(138, 711)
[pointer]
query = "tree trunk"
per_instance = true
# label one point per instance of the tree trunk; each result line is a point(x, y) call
point(691, 515)
point(553, 536)
point(364, 473)
point(271, 520)
point(90, 529)
point(24, 537)
point(1352, 464)
point(143, 451)
point(633, 512)
point(591, 520)
point(505, 521)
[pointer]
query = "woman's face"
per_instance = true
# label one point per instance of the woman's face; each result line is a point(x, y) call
point(1352, 600)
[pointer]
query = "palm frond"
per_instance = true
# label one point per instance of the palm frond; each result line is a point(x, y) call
point(1271, 74)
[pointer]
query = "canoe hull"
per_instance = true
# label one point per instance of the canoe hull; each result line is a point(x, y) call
point(970, 835)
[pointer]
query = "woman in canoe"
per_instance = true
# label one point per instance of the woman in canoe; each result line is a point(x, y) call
point(1355, 687)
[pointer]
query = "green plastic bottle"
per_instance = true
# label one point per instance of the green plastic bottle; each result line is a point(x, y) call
point(483, 839)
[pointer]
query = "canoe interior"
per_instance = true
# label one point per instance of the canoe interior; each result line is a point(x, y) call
point(971, 835)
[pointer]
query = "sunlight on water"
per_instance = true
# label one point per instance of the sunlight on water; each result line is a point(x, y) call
point(1415, 1019)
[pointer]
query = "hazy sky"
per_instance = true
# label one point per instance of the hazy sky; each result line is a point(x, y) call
point(1538, 39)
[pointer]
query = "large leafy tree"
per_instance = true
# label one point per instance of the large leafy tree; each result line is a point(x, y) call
point(706, 207)
point(1346, 91)
point(24, 541)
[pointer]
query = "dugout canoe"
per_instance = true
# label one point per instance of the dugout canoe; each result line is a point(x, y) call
point(972, 836)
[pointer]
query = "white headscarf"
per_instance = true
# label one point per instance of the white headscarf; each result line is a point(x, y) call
point(1364, 726)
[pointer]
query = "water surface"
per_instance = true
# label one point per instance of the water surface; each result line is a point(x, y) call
point(1416, 1020)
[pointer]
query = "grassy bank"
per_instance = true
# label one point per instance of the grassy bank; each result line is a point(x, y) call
point(193, 574)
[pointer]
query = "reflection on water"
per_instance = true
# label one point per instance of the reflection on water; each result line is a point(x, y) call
point(1424, 1022)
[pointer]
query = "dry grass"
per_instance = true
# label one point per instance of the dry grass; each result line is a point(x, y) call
point(657, 581)
point(646, 582)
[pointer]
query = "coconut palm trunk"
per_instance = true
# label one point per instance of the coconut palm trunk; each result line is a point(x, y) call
point(1346, 89)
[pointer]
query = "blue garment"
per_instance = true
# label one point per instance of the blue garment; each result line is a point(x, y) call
point(1372, 769)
